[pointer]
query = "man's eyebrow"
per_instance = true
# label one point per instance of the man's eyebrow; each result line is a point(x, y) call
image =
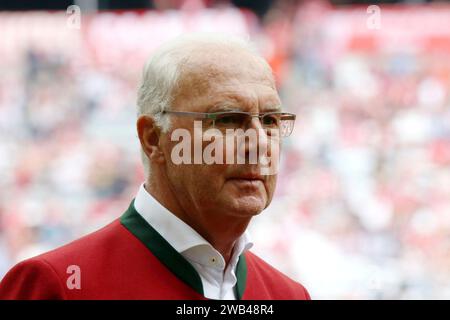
point(273, 108)
point(224, 107)
point(234, 107)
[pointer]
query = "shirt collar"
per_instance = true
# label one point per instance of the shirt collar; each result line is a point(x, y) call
point(175, 231)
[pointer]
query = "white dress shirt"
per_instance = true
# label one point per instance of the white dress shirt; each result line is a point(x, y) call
point(218, 283)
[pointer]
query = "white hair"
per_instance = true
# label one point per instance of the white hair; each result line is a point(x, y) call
point(162, 71)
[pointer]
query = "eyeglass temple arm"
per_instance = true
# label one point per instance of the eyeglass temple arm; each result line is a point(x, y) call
point(213, 116)
point(202, 115)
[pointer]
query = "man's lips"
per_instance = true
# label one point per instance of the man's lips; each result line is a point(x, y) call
point(249, 177)
point(252, 184)
point(247, 181)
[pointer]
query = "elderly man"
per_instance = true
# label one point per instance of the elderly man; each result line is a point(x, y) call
point(184, 235)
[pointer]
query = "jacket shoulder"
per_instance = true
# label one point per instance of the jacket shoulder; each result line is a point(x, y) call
point(271, 283)
point(31, 279)
point(95, 243)
point(44, 276)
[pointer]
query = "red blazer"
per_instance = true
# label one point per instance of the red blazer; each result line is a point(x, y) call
point(128, 259)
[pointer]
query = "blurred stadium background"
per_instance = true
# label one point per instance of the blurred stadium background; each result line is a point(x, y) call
point(362, 209)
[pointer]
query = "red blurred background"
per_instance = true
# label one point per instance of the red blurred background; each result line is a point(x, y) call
point(362, 209)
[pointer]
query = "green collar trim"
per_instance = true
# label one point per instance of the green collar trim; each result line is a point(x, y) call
point(173, 260)
point(165, 253)
point(241, 275)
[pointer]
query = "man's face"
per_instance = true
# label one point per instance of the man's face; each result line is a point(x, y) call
point(212, 80)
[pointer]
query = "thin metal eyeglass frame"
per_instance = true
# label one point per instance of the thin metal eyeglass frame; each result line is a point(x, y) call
point(213, 115)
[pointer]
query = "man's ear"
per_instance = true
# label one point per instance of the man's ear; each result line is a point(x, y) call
point(149, 135)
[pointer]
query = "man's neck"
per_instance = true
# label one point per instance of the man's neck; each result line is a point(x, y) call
point(220, 232)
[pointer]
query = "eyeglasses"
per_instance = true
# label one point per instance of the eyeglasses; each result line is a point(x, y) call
point(282, 121)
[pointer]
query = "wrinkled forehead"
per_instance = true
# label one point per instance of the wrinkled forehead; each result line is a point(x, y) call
point(215, 70)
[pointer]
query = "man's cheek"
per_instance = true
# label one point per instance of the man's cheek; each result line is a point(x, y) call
point(271, 183)
point(270, 158)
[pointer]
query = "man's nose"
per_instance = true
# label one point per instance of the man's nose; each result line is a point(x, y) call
point(261, 141)
point(255, 122)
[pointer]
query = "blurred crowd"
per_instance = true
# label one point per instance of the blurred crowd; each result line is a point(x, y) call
point(362, 208)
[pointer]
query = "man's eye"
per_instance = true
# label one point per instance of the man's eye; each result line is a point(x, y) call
point(228, 119)
point(270, 120)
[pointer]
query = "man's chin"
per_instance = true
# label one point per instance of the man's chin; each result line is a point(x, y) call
point(247, 205)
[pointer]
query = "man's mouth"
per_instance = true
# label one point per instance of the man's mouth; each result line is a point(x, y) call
point(247, 180)
point(247, 176)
